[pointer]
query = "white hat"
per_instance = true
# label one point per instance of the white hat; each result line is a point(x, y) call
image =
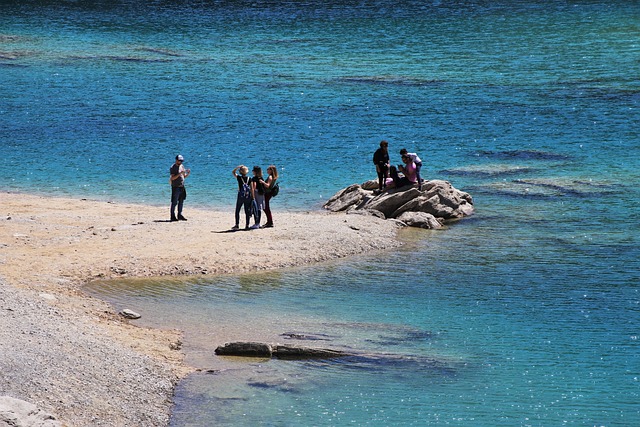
point(179, 157)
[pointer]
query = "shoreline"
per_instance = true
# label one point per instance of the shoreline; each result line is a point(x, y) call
point(51, 246)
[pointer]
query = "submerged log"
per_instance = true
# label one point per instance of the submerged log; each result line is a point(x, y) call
point(292, 352)
point(246, 349)
point(255, 349)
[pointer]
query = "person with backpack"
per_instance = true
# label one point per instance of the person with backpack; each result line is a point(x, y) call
point(244, 195)
point(257, 192)
point(271, 190)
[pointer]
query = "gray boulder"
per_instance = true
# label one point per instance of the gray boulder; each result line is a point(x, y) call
point(421, 219)
point(18, 413)
point(346, 198)
point(437, 198)
point(372, 184)
point(130, 314)
point(367, 212)
point(388, 201)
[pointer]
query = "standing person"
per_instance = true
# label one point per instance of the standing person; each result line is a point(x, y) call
point(418, 164)
point(409, 171)
point(381, 160)
point(244, 195)
point(269, 185)
point(178, 192)
point(257, 192)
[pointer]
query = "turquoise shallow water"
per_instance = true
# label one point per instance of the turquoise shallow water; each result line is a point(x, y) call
point(526, 314)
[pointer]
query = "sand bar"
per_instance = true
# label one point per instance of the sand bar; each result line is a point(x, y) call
point(71, 354)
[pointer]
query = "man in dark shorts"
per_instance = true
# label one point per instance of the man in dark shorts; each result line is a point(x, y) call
point(178, 192)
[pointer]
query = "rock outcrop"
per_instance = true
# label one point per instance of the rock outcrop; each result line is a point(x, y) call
point(431, 207)
point(130, 314)
point(18, 413)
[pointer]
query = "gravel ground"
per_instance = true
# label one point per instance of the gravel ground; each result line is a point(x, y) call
point(69, 366)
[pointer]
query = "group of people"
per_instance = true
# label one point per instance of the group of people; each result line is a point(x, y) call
point(254, 193)
point(388, 175)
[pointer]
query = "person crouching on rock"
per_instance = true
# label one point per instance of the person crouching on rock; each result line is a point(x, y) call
point(418, 163)
point(244, 195)
point(409, 171)
point(381, 160)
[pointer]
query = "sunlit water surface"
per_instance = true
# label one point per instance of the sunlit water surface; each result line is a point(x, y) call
point(527, 313)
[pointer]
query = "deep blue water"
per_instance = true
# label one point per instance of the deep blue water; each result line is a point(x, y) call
point(526, 314)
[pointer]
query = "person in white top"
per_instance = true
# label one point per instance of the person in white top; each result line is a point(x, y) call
point(417, 161)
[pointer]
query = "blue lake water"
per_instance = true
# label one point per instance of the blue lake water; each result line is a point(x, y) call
point(527, 313)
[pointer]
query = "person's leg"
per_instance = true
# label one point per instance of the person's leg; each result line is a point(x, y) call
point(394, 176)
point(418, 167)
point(380, 178)
point(267, 210)
point(247, 210)
point(180, 202)
point(385, 175)
point(174, 201)
point(239, 202)
point(257, 212)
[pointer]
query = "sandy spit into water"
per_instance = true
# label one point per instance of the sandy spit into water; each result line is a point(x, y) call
point(72, 354)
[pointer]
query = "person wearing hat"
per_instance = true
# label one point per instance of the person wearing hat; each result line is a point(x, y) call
point(244, 195)
point(178, 192)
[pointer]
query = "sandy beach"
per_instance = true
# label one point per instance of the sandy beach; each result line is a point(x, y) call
point(71, 354)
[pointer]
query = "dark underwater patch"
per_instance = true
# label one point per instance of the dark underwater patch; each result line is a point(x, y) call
point(8, 38)
point(569, 187)
point(488, 170)
point(160, 51)
point(520, 155)
point(394, 362)
point(12, 65)
point(547, 187)
point(404, 338)
point(119, 58)
point(595, 89)
point(306, 336)
point(276, 384)
point(388, 81)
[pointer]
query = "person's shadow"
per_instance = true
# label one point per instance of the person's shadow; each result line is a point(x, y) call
point(217, 232)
